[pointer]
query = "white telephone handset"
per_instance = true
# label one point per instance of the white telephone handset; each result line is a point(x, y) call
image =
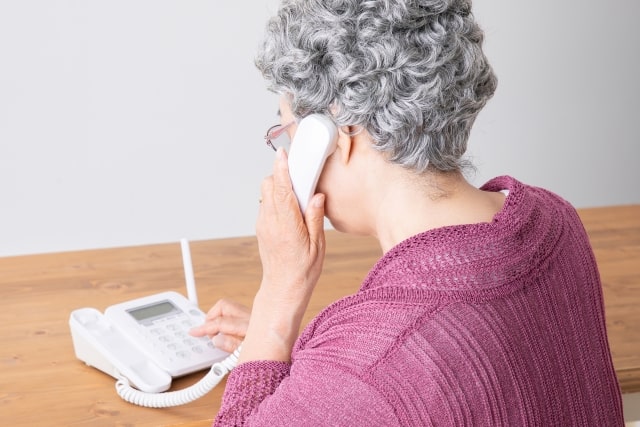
point(314, 141)
point(145, 342)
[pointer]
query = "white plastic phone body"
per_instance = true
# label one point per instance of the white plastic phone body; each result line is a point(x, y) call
point(144, 340)
point(314, 141)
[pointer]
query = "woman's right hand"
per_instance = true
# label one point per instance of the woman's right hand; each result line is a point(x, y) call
point(292, 249)
point(226, 324)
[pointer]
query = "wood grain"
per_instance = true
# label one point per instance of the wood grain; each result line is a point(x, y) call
point(615, 237)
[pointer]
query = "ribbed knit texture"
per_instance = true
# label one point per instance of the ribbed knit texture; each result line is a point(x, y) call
point(492, 324)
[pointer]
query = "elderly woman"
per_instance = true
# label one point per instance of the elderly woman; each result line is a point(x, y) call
point(485, 308)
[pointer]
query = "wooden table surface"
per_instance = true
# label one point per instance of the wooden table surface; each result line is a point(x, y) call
point(42, 383)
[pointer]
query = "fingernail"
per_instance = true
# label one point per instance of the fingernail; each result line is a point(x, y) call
point(217, 340)
point(318, 201)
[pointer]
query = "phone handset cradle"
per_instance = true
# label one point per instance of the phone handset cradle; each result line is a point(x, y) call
point(179, 397)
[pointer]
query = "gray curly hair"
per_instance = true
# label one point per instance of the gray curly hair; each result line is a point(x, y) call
point(410, 72)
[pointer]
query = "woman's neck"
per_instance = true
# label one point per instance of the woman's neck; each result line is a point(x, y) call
point(411, 204)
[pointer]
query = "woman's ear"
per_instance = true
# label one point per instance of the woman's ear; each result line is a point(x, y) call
point(346, 137)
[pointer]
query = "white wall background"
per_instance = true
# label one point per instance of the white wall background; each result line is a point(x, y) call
point(141, 121)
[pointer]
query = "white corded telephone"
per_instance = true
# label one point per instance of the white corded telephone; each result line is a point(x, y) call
point(145, 341)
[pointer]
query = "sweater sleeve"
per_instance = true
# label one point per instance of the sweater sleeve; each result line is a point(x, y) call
point(247, 386)
point(267, 393)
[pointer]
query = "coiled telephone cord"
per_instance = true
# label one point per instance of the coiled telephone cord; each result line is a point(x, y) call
point(178, 397)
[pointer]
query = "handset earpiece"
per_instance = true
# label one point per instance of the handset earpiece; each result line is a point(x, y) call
point(315, 140)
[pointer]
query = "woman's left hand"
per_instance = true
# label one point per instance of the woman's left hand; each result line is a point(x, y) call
point(226, 324)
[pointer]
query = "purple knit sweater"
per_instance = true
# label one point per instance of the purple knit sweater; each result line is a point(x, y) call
point(492, 324)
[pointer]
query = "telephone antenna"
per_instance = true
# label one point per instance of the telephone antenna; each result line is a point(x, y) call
point(192, 295)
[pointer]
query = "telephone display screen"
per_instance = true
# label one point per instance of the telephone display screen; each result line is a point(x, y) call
point(154, 310)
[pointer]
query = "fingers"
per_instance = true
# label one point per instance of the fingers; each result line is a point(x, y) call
point(228, 343)
point(225, 317)
point(224, 342)
point(314, 219)
point(277, 190)
point(221, 325)
point(282, 187)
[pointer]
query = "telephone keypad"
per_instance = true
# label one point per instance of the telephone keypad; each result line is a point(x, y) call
point(168, 335)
